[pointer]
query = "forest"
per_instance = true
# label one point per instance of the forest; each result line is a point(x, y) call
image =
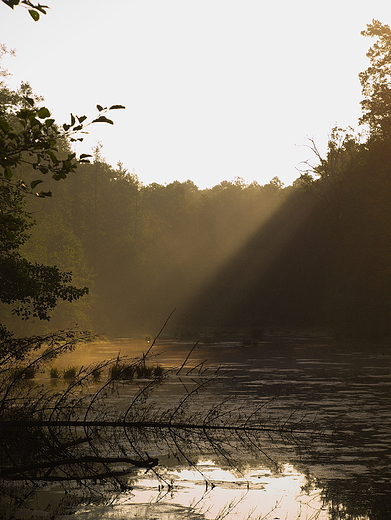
point(86, 246)
point(235, 258)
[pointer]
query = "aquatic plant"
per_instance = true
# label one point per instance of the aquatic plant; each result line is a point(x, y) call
point(25, 372)
point(70, 372)
point(158, 371)
point(143, 370)
point(96, 374)
point(54, 373)
point(121, 371)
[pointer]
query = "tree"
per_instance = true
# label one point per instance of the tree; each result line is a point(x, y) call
point(376, 81)
point(33, 146)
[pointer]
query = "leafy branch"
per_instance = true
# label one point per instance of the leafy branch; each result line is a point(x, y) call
point(35, 10)
point(31, 136)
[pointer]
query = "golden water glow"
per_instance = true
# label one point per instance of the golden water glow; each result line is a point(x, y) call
point(257, 494)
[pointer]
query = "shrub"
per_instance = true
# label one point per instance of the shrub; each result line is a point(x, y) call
point(96, 374)
point(30, 372)
point(120, 371)
point(158, 371)
point(23, 372)
point(144, 371)
point(54, 373)
point(70, 373)
point(123, 372)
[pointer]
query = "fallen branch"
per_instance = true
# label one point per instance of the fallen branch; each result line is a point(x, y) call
point(140, 424)
point(88, 459)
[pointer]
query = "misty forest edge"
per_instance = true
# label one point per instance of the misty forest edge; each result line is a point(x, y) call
point(311, 256)
point(234, 257)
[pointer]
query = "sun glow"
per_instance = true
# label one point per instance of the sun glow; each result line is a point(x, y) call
point(257, 493)
point(241, 99)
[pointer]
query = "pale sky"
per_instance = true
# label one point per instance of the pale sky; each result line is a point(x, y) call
point(214, 89)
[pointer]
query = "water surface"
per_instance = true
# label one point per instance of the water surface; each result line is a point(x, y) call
point(336, 397)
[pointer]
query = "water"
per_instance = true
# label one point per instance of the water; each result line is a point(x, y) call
point(337, 398)
point(267, 496)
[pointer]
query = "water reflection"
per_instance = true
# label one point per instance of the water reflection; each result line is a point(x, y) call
point(337, 395)
point(342, 391)
point(257, 494)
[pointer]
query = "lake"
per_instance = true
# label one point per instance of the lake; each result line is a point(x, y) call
point(325, 452)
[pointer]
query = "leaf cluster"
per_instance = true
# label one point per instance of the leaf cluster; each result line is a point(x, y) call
point(30, 136)
point(35, 10)
point(33, 288)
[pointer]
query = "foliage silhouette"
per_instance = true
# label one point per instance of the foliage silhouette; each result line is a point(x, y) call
point(33, 146)
point(376, 82)
point(77, 435)
point(35, 10)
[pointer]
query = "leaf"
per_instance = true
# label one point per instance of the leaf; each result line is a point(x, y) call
point(116, 107)
point(23, 114)
point(81, 118)
point(84, 158)
point(34, 122)
point(43, 113)
point(42, 8)
point(49, 122)
point(99, 107)
point(103, 119)
point(73, 120)
point(35, 183)
point(8, 173)
point(34, 15)
point(4, 125)
point(53, 157)
point(30, 101)
point(12, 3)
point(66, 127)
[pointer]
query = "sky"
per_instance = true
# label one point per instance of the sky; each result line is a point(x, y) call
point(213, 89)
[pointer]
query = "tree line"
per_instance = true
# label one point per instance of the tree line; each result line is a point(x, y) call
point(235, 257)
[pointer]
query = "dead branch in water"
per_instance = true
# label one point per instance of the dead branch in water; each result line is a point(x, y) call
point(78, 434)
